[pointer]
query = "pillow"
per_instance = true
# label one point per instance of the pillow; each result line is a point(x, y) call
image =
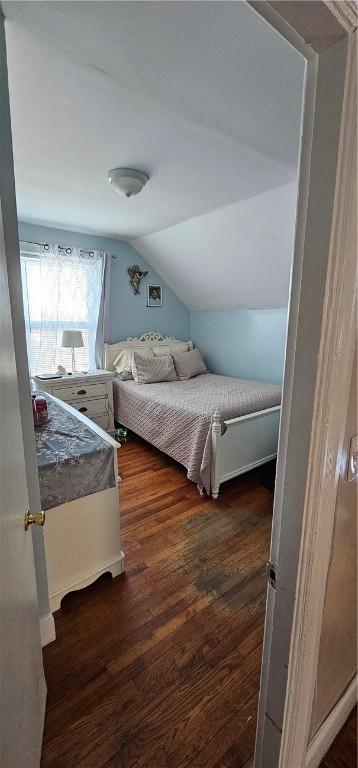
point(150, 370)
point(189, 364)
point(166, 349)
point(123, 361)
point(161, 351)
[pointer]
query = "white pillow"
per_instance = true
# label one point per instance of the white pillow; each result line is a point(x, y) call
point(166, 349)
point(161, 351)
point(123, 361)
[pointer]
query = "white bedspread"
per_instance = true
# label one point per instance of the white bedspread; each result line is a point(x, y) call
point(176, 416)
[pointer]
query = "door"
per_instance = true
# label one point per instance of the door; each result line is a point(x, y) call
point(321, 333)
point(22, 682)
point(337, 659)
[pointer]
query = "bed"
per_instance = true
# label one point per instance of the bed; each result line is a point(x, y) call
point(218, 427)
point(78, 478)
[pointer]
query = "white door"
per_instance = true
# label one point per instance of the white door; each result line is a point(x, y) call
point(22, 682)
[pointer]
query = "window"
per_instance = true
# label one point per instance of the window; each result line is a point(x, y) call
point(61, 290)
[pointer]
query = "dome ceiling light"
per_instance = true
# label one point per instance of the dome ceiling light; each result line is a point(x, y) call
point(127, 181)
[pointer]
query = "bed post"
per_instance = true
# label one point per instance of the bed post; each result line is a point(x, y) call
point(215, 437)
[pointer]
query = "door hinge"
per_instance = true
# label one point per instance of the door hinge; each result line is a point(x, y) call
point(271, 571)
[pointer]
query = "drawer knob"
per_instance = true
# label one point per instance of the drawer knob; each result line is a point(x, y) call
point(82, 392)
point(83, 409)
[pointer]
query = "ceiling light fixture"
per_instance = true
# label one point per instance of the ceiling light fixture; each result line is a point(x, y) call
point(127, 181)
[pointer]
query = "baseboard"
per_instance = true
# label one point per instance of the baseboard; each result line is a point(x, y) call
point(47, 629)
point(328, 731)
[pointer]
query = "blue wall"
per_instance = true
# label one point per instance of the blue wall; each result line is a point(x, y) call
point(249, 343)
point(129, 315)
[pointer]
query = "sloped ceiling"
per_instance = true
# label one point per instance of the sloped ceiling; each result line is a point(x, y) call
point(236, 256)
point(203, 96)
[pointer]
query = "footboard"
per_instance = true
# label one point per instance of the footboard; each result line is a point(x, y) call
point(242, 444)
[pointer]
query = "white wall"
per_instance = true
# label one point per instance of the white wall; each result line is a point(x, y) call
point(236, 256)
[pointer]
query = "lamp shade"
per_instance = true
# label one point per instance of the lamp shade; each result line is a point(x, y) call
point(72, 339)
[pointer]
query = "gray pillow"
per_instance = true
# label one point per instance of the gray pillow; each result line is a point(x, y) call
point(189, 364)
point(148, 370)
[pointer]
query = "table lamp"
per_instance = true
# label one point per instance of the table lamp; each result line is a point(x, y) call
point(72, 340)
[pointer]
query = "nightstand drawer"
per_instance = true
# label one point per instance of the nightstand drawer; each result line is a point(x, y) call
point(102, 421)
point(96, 407)
point(79, 392)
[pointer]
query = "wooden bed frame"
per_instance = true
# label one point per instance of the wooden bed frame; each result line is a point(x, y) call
point(237, 445)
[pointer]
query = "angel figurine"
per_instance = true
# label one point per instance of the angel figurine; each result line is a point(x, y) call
point(136, 274)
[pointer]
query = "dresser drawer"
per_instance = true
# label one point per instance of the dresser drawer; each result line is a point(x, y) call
point(96, 407)
point(79, 392)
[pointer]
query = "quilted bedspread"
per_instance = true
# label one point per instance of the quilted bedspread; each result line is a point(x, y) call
point(175, 416)
point(73, 460)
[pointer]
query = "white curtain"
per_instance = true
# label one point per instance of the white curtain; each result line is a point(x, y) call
point(62, 289)
point(103, 325)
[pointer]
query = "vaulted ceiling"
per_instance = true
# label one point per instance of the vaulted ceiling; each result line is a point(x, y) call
point(203, 96)
point(236, 256)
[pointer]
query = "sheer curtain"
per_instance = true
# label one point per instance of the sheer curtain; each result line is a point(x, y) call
point(63, 288)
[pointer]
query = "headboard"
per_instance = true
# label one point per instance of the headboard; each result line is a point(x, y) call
point(149, 339)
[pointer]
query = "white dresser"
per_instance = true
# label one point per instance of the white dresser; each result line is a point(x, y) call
point(90, 393)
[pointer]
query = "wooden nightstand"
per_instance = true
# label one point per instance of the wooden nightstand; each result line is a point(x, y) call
point(90, 393)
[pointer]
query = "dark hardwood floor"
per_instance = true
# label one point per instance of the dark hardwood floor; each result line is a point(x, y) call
point(343, 752)
point(160, 667)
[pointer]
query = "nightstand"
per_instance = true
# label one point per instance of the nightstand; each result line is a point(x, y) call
point(90, 393)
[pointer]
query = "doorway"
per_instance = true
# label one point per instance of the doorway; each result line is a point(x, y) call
point(297, 328)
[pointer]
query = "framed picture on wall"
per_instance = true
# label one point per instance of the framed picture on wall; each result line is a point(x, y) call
point(154, 295)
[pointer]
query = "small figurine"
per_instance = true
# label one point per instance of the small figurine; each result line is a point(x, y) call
point(136, 274)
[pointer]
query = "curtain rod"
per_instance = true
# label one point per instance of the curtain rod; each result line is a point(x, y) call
point(67, 248)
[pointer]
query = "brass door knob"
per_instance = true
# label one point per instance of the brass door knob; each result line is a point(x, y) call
point(37, 519)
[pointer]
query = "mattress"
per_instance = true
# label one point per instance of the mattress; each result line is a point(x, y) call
point(73, 460)
point(176, 416)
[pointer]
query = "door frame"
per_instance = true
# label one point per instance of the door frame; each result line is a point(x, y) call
point(335, 364)
point(302, 535)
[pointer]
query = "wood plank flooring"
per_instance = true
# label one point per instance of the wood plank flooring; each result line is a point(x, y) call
point(343, 752)
point(161, 666)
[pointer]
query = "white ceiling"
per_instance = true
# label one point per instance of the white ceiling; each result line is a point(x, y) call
point(236, 256)
point(204, 96)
